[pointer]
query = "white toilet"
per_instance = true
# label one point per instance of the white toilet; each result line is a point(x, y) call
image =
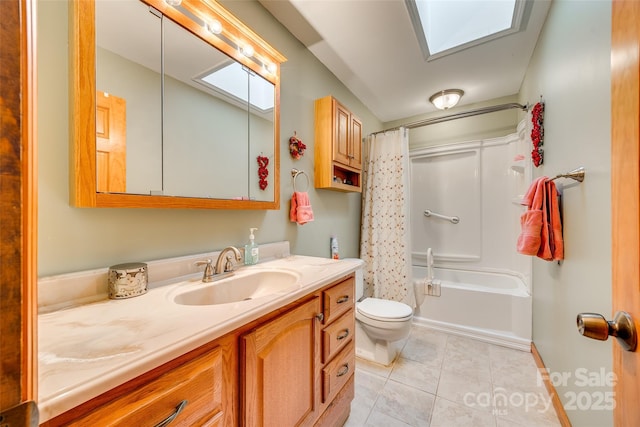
point(381, 324)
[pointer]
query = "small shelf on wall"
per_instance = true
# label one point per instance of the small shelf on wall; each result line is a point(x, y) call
point(518, 166)
point(344, 179)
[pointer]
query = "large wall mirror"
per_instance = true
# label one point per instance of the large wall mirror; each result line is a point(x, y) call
point(181, 111)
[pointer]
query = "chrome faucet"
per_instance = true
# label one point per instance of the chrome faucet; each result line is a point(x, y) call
point(224, 264)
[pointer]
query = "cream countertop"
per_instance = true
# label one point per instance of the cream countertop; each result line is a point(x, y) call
point(87, 350)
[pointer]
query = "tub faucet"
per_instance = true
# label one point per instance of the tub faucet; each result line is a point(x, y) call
point(430, 265)
point(224, 264)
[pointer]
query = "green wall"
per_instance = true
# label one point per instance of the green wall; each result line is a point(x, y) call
point(570, 69)
point(73, 239)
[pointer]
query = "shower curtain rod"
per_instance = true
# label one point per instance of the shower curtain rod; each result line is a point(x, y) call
point(461, 115)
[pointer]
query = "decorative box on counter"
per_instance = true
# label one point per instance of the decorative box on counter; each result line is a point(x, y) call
point(127, 280)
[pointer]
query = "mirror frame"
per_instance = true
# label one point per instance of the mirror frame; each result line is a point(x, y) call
point(82, 104)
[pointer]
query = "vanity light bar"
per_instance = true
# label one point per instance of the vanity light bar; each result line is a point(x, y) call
point(233, 37)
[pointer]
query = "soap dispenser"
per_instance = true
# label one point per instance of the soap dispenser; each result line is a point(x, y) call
point(251, 250)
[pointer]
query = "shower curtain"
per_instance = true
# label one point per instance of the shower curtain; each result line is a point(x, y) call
point(385, 243)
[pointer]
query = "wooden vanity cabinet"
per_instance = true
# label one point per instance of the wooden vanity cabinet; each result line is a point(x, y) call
point(280, 360)
point(338, 146)
point(297, 368)
point(291, 367)
point(197, 389)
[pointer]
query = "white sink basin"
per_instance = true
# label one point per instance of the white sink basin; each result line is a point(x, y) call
point(244, 287)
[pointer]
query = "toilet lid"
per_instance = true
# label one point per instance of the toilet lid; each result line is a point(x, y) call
point(381, 309)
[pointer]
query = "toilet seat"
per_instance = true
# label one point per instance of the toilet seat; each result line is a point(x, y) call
point(384, 310)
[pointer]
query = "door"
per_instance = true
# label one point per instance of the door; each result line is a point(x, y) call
point(625, 202)
point(342, 132)
point(18, 214)
point(111, 143)
point(280, 362)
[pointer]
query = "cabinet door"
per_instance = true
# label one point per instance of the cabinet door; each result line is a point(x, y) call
point(280, 369)
point(342, 133)
point(356, 143)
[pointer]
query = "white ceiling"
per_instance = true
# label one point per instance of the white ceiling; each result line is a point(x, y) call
point(371, 47)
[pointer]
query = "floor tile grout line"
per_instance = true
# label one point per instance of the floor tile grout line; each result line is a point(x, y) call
point(446, 349)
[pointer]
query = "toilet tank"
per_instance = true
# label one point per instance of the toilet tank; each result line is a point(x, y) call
point(359, 279)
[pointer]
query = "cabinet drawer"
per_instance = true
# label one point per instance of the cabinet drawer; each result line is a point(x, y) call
point(336, 373)
point(338, 299)
point(198, 382)
point(337, 335)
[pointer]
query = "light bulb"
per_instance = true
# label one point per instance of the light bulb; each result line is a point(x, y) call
point(270, 67)
point(247, 50)
point(214, 27)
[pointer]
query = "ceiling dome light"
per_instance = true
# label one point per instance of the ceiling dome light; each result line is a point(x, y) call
point(173, 3)
point(446, 99)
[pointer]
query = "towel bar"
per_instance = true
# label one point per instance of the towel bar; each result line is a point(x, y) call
point(576, 174)
point(294, 175)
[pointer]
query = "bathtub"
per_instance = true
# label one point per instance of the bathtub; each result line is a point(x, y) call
point(488, 306)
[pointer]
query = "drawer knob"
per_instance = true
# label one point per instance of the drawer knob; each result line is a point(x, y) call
point(320, 316)
point(173, 416)
point(342, 335)
point(343, 299)
point(343, 370)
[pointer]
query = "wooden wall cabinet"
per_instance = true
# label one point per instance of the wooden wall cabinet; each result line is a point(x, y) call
point(338, 146)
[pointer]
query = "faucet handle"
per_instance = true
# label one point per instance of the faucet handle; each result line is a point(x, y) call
point(207, 261)
point(207, 275)
point(228, 263)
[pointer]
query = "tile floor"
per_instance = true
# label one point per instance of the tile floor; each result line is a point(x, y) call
point(443, 380)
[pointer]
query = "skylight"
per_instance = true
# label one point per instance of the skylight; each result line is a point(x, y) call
point(447, 26)
point(231, 80)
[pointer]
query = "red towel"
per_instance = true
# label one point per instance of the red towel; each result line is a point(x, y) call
point(556, 242)
point(530, 239)
point(300, 211)
point(541, 225)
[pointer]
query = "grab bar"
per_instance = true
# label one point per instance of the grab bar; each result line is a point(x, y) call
point(453, 219)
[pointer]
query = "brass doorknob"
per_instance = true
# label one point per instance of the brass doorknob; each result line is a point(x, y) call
point(594, 325)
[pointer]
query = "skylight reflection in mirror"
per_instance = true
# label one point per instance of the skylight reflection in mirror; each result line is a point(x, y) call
point(232, 81)
point(447, 26)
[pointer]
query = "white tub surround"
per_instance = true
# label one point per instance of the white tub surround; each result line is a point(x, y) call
point(481, 183)
point(89, 349)
point(490, 306)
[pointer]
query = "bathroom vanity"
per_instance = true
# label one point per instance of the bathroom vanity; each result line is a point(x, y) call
point(279, 359)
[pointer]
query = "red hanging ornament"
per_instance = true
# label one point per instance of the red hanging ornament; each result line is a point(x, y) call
point(263, 172)
point(537, 134)
point(296, 147)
